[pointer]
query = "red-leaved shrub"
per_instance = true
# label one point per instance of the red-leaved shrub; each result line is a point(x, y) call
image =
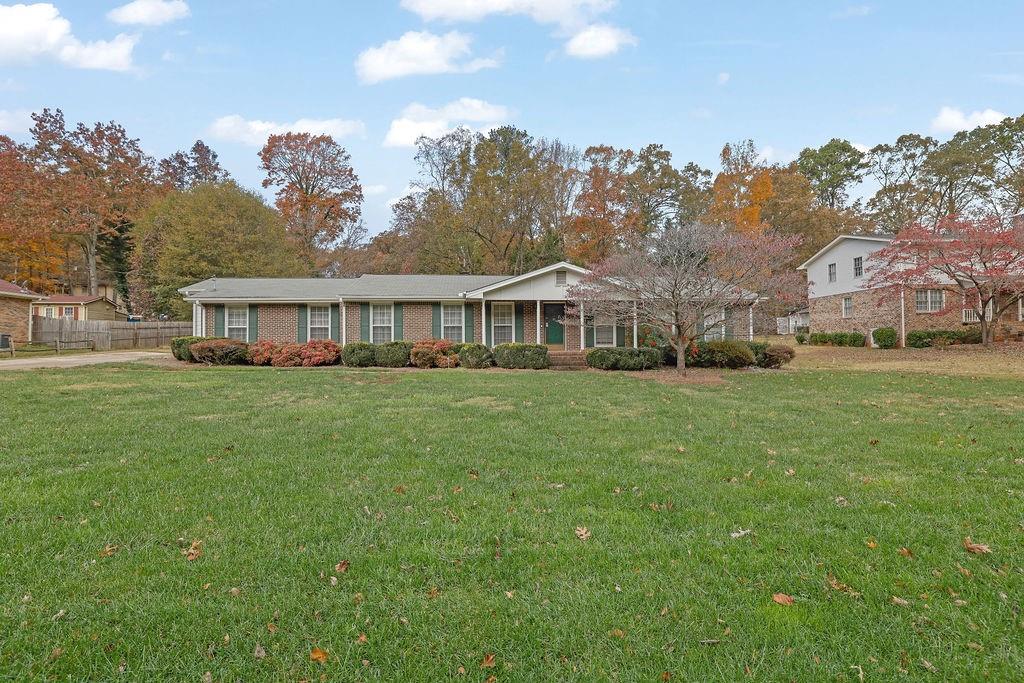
point(220, 352)
point(428, 352)
point(449, 361)
point(320, 352)
point(287, 356)
point(262, 352)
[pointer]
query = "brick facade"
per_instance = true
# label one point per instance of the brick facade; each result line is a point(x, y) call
point(14, 317)
point(417, 321)
point(277, 323)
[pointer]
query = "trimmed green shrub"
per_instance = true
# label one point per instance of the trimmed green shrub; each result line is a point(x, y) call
point(393, 354)
point(801, 338)
point(838, 338)
point(758, 349)
point(358, 354)
point(220, 352)
point(623, 358)
point(262, 352)
point(920, 339)
point(775, 356)
point(720, 354)
point(287, 356)
point(521, 356)
point(475, 356)
point(180, 347)
point(885, 337)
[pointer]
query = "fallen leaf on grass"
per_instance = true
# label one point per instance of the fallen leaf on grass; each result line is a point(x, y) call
point(905, 552)
point(582, 533)
point(871, 543)
point(362, 639)
point(235, 592)
point(790, 472)
point(108, 550)
point(782, 599)
point(194, 551)
point(617, 633)
point(272, 627)
point(838, 585)
point(739, 533)
point(400, 490)
point(666, 675)
point(488, 661)
point(975, 646)
point(258, 652)
point(929, 666)
point(318, 655)
point(342, 566)
point(899, 601)
point(976, 548)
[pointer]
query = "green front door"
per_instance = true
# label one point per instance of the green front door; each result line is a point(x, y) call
point(554, 332)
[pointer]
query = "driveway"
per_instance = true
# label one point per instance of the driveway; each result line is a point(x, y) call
point(77, 360)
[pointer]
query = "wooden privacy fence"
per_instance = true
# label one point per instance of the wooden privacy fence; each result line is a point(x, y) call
point(106, 335)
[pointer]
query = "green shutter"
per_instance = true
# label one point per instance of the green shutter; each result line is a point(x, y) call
point(254, 322)
point(399, 323)
point(589, 337)
point(489, 320)
point(364, 322)
point(302, 313)
point(335, 323)
point(518, 317)
point(435, 321)
point(218, 320)
point(620, 335)
point(467, 314)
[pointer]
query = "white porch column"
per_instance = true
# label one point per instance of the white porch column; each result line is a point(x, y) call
point(583, 331)
point(538, 322)
point(344, 321)
point(636, 328)
point(750, 333)
point(483, 321)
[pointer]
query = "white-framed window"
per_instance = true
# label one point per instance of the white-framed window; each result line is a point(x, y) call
point(560, 278)
point(319, 322)
point(858, 266)
point(831, 272)
point(929, 300)
point(847, 306)
point(49, 312)
point(604, 331)
point(503, 323)
point(452, 322)
point(67, 312)
point(382, 329)
point(236, 322)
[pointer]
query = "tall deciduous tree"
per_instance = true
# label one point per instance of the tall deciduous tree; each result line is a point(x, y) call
point(899, 169)
point(832, 169)
point(318, 192)
point(675, 278)
point(741, 188)
point(197, 166)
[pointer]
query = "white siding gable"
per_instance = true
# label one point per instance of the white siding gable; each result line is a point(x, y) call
point(842, 254)
point(541, 286)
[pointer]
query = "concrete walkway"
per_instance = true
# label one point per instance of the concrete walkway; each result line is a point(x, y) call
point(77, 360)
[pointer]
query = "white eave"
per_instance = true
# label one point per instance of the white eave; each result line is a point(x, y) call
point(837, 240)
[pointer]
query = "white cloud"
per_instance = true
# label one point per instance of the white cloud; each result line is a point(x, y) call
point(149, 12)
point(28, 32)
point(567, 13)
point(853, 11)
point(15, 121)
point(723, 77)
point(772, 155)
point(861, 147)
point(953, 120)
point(420, 52)
point(417, 120)
point(598, 40)
point(369, 190)
point(406, 191)
point(254, 132)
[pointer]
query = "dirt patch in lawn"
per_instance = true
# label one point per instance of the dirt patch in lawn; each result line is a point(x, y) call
point(704, 376)
point(488, 402)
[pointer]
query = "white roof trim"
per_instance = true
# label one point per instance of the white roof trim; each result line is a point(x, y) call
point(561, 265)
point(837, 240)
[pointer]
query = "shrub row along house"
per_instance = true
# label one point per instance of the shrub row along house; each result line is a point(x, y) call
point(489, 309)
point(842, 297)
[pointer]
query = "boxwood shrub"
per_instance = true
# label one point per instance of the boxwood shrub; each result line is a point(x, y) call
point(474, 356)
point(801, 338)
point(721, 354)
point(180, 347)
point(885, 337)
point(775, 356)
point(393, 354)
point(920, 339)
point(521, 356)
point(220, 352)
point(624, 358)
point(359, 354)
point(838, 338)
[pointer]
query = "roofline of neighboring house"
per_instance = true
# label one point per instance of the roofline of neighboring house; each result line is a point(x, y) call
point(561, 265)
point(47, 301)
point(22, 295)
point(837, 240)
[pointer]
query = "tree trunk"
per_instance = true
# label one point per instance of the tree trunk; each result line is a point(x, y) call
point(89, 244)
point(681, 348)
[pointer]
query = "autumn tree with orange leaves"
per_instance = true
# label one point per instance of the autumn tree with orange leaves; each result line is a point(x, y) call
point(318, 193)
point(741, 188)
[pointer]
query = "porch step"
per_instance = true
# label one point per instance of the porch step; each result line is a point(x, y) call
point(568, 360)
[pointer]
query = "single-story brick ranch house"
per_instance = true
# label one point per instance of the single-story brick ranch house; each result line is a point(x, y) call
point(489, 309)
point(16, 311)
point(840, 299)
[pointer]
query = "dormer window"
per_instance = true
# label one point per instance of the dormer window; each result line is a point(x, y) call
point(560, 276)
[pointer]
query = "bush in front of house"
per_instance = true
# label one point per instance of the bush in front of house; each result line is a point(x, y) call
point(758, 349)
point(320, 352)
point(920, 339)
point(359, 354)
point(447, 361)
point(838, 339)
point(287, 356)
point(521, 356)
point(180, 347)
point(262, 352)
point(885, 337)
point(474, 356)
point(220, 352)
point(394, 354)
point(801, 338)
point(720, 354)
point(624, 358)
point(775, 356)
point(433, 353)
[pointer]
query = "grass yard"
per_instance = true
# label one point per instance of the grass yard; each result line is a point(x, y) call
point(452, 500)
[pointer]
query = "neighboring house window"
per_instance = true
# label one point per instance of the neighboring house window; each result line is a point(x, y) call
point(319, 322)
point(560, 278)
point(503, 323)
point(451, 322)
point(831, 272)
point(604, 332)
point(50, 312)
point(858, 266)
point(238, 323)
point(929, 300)
point(847, 306)
point(68, 312)
point(381, 323)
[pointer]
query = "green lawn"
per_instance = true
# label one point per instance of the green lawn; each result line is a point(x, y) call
point(455, 497)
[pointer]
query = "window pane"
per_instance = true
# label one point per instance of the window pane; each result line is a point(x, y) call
point(921, 300)
point(604, 335)
point(381, 335)
point(319, 316)
point(238, 333)
point(503, 334)
point(503, 314)
point(381, 315)
point(937, 299)
point(237, 316)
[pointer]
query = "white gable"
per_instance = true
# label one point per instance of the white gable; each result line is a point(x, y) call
point(546, 284)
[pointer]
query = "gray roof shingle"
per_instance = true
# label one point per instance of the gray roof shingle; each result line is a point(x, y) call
point(365, 286)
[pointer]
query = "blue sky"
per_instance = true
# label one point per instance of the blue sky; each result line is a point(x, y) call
point(689, 75)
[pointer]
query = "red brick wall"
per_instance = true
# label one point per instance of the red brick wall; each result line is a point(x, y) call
point(278, 323)
point(417, 321)
point(14, 317)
